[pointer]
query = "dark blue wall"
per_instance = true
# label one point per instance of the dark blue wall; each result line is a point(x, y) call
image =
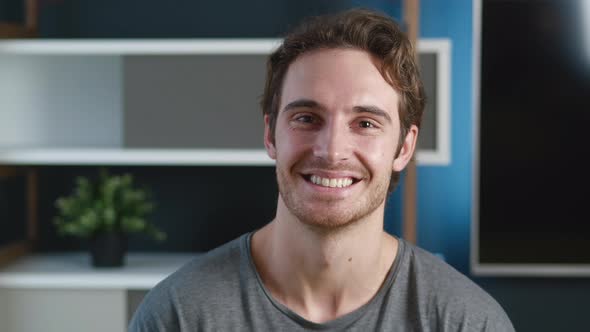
point(445, 193)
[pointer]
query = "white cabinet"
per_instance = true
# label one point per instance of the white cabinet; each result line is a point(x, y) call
point(62, 310)
point(62, 292)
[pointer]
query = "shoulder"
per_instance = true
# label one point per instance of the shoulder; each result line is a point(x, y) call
point(213, 275)
point(457, 302)
point(219, 265)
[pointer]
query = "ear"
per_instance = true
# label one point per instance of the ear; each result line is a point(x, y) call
point(407, 149)
point(268, 140)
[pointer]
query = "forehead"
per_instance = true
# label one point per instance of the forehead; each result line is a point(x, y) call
point(339, 78)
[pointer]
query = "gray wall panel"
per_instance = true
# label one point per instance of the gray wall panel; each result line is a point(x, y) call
point(211, 101)
point(201, 101)
point(427, 138)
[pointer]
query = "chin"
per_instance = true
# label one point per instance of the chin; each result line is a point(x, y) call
point(326, 221)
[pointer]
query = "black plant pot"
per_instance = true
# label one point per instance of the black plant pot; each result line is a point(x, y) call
point(108, 249)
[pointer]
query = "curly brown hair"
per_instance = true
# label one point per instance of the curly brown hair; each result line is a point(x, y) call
point(362, 29)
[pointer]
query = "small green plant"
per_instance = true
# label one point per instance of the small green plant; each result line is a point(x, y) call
point(112, 204)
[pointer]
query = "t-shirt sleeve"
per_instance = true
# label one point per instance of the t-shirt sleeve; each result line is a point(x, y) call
point(449, 301)
point(477, 311)
point(499, 324)
point(473, 310)
point(156, 313)
point(492, 320)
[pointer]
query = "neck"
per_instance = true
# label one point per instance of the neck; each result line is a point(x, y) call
point(323, 274)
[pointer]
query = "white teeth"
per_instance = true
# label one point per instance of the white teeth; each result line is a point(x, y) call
point(332, 183)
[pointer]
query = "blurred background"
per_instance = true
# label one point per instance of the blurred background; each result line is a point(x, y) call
point(518, 102)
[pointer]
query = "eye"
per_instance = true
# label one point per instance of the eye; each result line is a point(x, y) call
point(366, 124)
point(304, 118)
point(304, 121)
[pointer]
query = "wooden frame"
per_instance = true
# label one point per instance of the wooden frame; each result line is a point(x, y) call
point(21, 247)
point(9, 30)
point(14, 250)
point(411, 9)
point(29, 29)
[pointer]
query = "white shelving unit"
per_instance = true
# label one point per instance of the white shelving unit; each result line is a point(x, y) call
point(67, 102)
point(64, 102)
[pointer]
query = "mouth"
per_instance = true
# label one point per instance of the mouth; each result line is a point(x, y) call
point(331, 182)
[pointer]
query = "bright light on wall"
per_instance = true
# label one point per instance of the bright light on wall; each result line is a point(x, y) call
point(585, 13)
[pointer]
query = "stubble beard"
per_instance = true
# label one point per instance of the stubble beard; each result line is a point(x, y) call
point(331, 215)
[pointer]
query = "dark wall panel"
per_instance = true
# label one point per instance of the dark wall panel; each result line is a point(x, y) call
point(12, 210)
point(199, 208)
point(176, 19)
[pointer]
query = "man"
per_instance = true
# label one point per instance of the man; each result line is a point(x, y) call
point(342, 107)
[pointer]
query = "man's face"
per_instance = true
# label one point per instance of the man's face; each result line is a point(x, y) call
point(336, 135)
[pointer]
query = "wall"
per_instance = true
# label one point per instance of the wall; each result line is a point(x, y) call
point(444, 193)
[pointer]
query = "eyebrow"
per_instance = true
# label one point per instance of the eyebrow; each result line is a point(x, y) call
point(373, 110)
point(309, 103)
point(301, 103)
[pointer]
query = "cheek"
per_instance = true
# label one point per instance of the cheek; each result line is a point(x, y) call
point(289, 144)
point(378, 153)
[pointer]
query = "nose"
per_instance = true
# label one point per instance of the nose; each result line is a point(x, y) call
point(332, 143)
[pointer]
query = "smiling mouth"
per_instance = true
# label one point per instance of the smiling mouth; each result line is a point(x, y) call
point(330, 182)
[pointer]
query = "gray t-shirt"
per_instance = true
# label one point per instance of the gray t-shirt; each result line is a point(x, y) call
point(222, 291)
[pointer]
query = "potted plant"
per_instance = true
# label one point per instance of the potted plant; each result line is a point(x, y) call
point(105, 212)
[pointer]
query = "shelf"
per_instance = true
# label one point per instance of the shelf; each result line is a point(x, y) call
point(134, 157)
point(138, 47)
point(73, 271)
point(154, 157)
